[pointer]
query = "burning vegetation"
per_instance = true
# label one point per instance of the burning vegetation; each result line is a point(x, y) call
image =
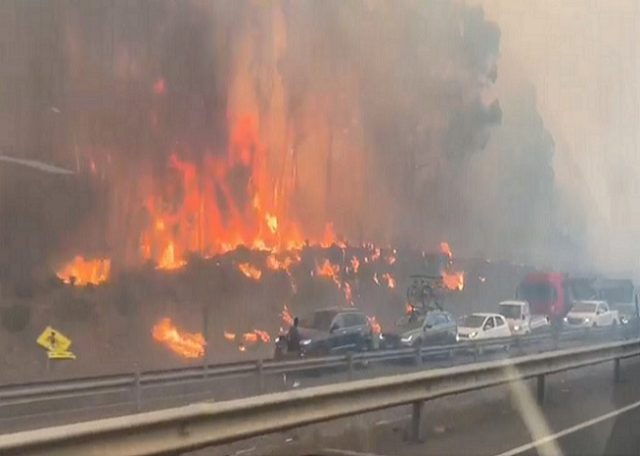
point(188, 345)
point(250, 182)
point(81, 272)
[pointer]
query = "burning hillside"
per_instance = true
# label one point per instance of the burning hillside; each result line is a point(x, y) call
point(268, 287)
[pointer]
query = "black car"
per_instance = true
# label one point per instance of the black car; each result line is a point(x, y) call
point(434, 327)
point(330, 331)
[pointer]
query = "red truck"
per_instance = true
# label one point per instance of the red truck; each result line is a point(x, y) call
point(553, 293)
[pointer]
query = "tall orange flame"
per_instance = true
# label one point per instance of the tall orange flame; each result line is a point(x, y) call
point(200, 209)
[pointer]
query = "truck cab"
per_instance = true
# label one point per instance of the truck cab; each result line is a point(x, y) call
point(519, 317)
point(552, 294)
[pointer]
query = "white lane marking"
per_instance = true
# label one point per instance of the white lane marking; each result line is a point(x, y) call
point(570, 430)
point(394, 420)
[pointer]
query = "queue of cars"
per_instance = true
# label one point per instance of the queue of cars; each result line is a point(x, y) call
point(543, 301)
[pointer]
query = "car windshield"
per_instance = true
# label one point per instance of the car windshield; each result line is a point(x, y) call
point(510, 310)
point(585, 307)
point(473, 321)
point(318, 320)
point(411, 321)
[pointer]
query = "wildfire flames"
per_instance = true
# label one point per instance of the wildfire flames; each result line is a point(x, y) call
point(250, 271)
point(188, 345)
point(326, 269)
point(451, 279)
point(247, 339)
point(287, 318)
point(388, 278)
point(198, 209)
point(375, 326)
point(81, 272)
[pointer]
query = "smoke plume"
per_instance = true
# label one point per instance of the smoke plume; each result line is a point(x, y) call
point(373, 116)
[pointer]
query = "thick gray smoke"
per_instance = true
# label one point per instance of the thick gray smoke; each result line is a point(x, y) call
point(373, 115)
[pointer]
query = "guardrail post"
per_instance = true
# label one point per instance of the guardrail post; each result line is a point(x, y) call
point(350, 365)
point(138, 390)
point(419, 355)
point(555, 335)
point(476, 351)
point(616, 370)
point(260, 374)
point(517, 342)
point(540, 389)
point(416, 415)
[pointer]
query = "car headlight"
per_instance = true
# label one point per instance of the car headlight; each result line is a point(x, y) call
point(587, 320)
point(473, 335)
point(565, 319)
point(305, 341)
point(624, 320)
point(516, 328)
point(406, 339)
point(457, 337)
point(381, 336)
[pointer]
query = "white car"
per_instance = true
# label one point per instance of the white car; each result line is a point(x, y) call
point(591, 314)
point(519, 317)
point(483, 326)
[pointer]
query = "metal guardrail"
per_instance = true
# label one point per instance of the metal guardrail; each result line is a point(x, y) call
point(259, 369)
point(187, 428)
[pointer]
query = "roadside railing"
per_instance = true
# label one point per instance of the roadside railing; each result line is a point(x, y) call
point(181, 429)
point(259, 369)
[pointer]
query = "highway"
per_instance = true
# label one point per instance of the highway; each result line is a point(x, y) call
point(585, 412)
point(36, 413)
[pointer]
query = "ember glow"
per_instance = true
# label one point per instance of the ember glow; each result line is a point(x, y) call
point(81, 272)
point(187, 345)
point(355, 264)
point(250, 271)
point(248, 339)
point(329, 270)
point(287, 318)
point(389, 280)
point(278, 262)
point(453, 280)
point(375, 326)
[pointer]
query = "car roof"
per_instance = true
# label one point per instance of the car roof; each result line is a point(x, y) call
point(339, 310)
point(486, 314)
point(591, 301)
point(514, 302)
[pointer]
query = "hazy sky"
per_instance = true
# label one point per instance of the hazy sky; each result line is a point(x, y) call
point(584, 59)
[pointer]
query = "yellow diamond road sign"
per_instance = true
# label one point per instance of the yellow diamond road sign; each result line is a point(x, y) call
point(56, 344)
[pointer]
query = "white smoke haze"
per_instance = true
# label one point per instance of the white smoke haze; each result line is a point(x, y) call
point(584, 60)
